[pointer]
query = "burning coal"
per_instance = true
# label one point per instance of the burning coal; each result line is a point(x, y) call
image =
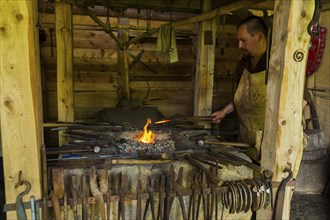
point(148, 136)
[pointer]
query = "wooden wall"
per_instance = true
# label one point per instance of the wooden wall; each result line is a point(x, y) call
point(167, 86)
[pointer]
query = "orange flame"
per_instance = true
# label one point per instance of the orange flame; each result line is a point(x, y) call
point(147, 136)
point(161, 122)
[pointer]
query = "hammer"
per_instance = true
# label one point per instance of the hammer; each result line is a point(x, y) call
point(201, 143)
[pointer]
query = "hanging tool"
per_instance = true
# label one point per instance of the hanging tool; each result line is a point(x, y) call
point(216, 195)
point(108, 196)
point(37, 203)
point(195, 186)
point(213, 194)
point(122, 185)
point(178, 189)
point(203, 184)
point(136, 58)
point(58, 190)
point(313, 26)
point(138, 200)
point(96, 191)
point(74, 201)
point(314, 118)
point(85, 195)
point(20, 211)
point(150, 201)
point(33, 208)
point(280, 196)
point(161, 197)
point(179, 180)
point(168, 197)
point(44, 182)
point(212, 177)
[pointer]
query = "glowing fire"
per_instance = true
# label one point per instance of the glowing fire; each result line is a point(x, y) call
point(147, 136)
point(161, 122)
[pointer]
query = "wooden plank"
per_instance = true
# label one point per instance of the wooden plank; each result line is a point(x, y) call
point(160, 85)
point(151, 45)
point(102, 99)
point(172, 78)
point(205, 65)
point(109, 57)
point(217, 12)
point(123, 64)
point(169, 110)
point(84, 72)
point(91, 56)
point(90, 87)
point(163, 94)
point(64, 49)
point(21, 111)
point(86, 76)
point(84, 21)
point(89, 103)
point(283, 128)
point(191, 5)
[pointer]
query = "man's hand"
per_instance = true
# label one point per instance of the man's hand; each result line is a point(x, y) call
point(218, 116)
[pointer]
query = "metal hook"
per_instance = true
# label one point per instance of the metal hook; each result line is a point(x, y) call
point(315, 20)
point(23, 182)
point(19, 183)
point(20, 210)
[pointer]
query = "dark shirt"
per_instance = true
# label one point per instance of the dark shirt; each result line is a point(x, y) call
point(245, 63)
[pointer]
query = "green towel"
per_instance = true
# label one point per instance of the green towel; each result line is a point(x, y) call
point(166, 42)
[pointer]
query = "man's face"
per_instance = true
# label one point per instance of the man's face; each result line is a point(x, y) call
point(247, 43)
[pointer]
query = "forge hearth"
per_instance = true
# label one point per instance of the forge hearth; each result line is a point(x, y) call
point(120, 178)
point(111, 141)
point(128, 142)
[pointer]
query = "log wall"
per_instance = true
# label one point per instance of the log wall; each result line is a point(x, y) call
point(156, 82)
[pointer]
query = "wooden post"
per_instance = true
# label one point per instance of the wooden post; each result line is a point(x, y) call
point(205, 65)
point(123, 70)
point(21, 111)
point(281, 143)
point(64, 51)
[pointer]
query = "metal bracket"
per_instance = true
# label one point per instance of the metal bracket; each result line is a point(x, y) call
point(313, 28)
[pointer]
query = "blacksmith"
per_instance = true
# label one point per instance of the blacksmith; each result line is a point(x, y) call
point(250, 96)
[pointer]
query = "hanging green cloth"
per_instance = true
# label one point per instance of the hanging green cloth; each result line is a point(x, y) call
point(166, 42)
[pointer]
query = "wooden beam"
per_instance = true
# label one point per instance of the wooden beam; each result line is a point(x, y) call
point(199, 18)
point(283, 128)
point(123, 67)
point(21, 111)
point(205, 65)
point(64, 49)
point(132, 13)
point(206, 16)
point(105, 27)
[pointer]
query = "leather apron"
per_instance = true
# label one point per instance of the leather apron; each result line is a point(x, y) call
point(250, 104)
